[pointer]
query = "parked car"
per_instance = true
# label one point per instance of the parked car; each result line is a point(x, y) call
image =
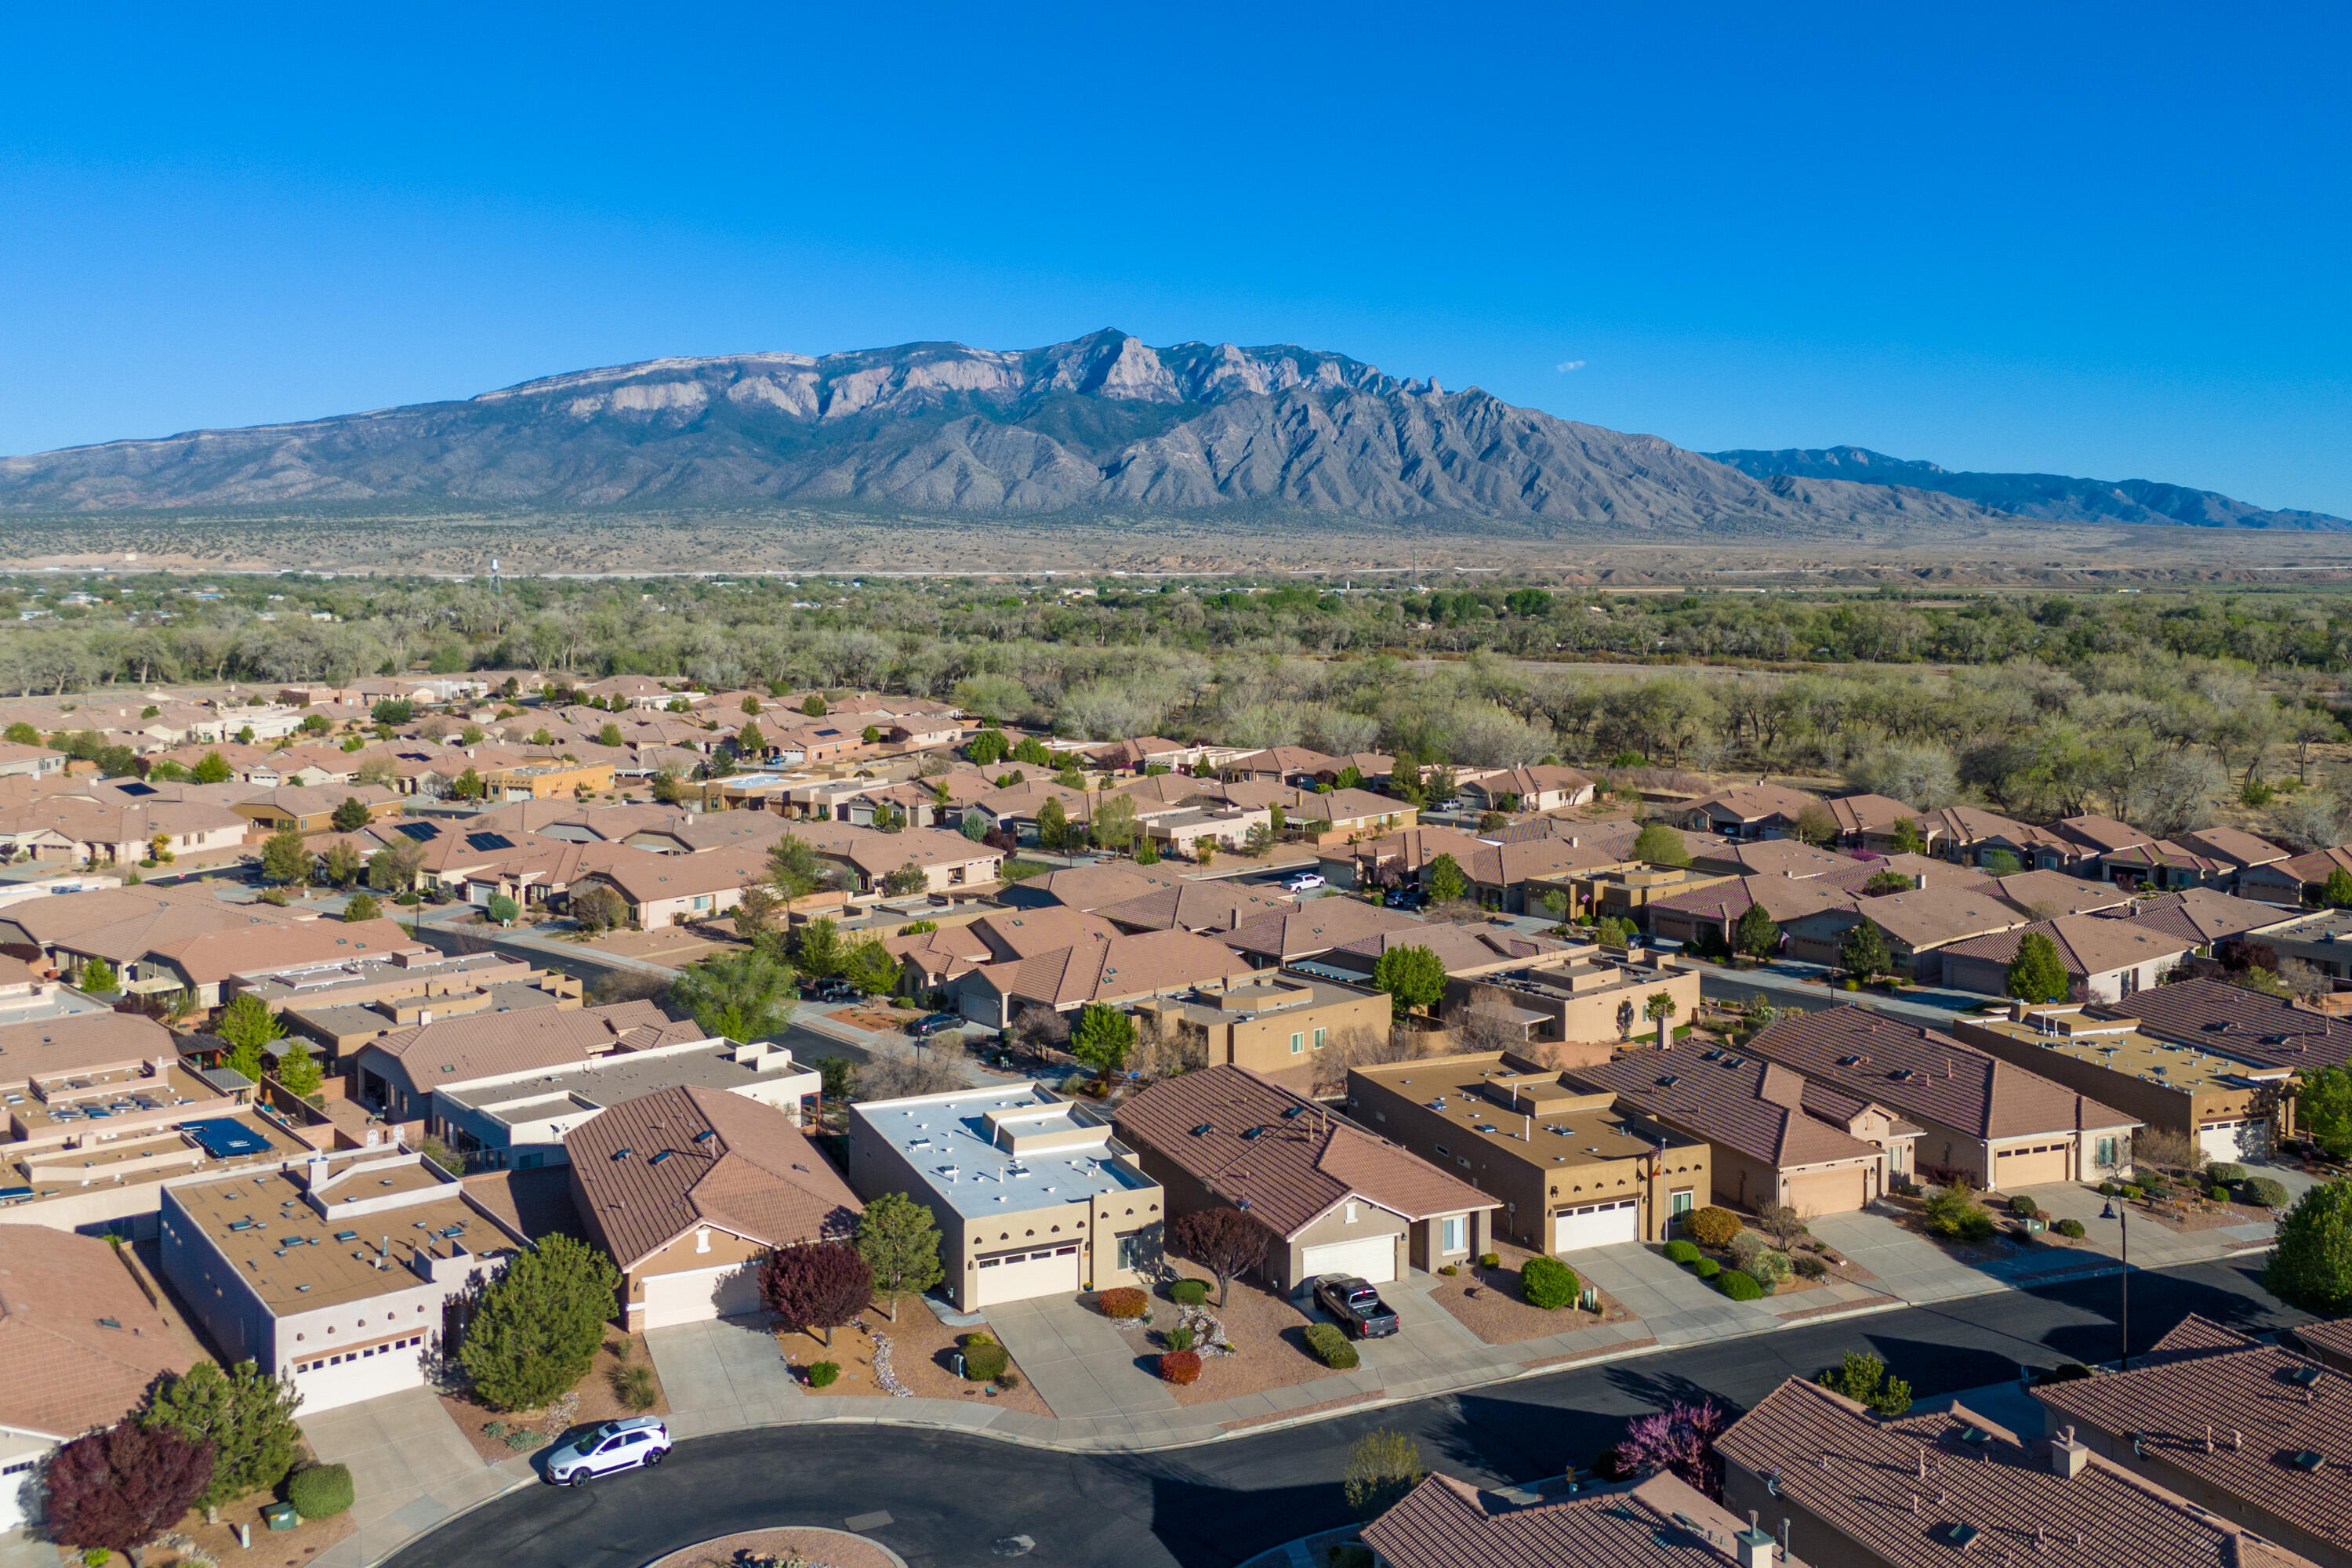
point(639, 1442)
point(1357, 1305)
point(1454, 803)
point(1406, 898)
point(1302, 881)
point(829, 991)
point(935, 1024)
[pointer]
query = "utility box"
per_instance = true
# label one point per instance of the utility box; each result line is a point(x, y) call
point(2035, 1226)
point(280, 1516)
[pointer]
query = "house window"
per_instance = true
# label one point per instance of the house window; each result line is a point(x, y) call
point(1679, 1202)
point(1135, 1251)
point(2106, 1156)
point(1319, 1038)
point(1452, 1235)
point(1298, 1043)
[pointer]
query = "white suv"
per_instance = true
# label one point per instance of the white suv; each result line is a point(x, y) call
point(641, 1441)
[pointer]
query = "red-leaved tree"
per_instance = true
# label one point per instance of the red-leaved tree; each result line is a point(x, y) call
point(1225, 1241)
point(122, 1488)
point(1681, 1439)
point(817, 1284)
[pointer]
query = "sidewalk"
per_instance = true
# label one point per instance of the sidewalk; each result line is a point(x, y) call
point(412, 1469)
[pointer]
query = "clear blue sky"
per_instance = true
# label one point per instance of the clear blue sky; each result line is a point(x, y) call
point(2103, 239)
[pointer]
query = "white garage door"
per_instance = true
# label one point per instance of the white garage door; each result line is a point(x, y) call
point(1371, 1258)
point(1596, 1225)
point(702, 1295)
point(1017, 1275)
point(354, 1375)
point(2232, 1142)
point(19, 1475)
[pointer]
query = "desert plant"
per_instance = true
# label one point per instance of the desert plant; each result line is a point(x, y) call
point(1738, 1284)
point(1490, 1260)
point(1122, 1301)
point(824, 1373)
point(1547, 1282)
point(1810, 1267)
point(1189, 1292)
point(2221, 1173)
point(633, 1385)
point(2023, 1207)
point(1681, 1252)
point(1711, 1226)
point(1179, 1367)
point(1331, 1347)
point(320, 1491)
point(1745, 1249)
point(1008, 1379)
point(1772, 1267)
point(1178, 1337)
point(1955, 1215)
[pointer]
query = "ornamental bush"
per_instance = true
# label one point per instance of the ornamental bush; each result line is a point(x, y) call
point(320, 1491)
point(1331, 1347)
point(1490, 1260)
point(2264, 1192)
point(1746, 1249)
point(1811, 1267)
point(1681, 1252)
point(1125, 1301)
point(2069, 1228)
point(1772, 1267)
point(2023, 1207)
point(1707, 1268)
point(1179, 1367)
point(984, 1360)
point(2223, 1174)
point(824, 1373)
point(1547, 1282)
point(2218, 1193)
point(1189, 1292)
point(1711, 1226)
point(1739, 1287)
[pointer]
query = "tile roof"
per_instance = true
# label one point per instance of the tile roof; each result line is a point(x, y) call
point(2234, 1420)
point(2044, 895)
point(1920, 1071)
point(1870, 813)
point(1197, 906)
point(1784, 899)
point(1283, 1158)
point(1317, 926)
point(1862, 1478)
point(1143, 964)
point(1936, 916)
point(2270, 1030)
point(2209, 915)
point(79, 1338)
point(1087, 886)
point(652, 1168)
point(459, 1050)
point(45, 1048)
point(1661, 1524)
point(211, 957)
point(2103, 834)
point(2087, 945)
point(2330, 1340)
point(1755, 803)
point(1746, 1102)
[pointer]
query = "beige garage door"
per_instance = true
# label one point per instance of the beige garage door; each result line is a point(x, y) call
point(1828, 1192)
point(2027, 1165)
point(1049, 1270)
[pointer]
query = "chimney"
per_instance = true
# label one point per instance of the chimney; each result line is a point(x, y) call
point(318, 1171)
point(2067, 1458)
point(1919, 878)
point(1752, 1547)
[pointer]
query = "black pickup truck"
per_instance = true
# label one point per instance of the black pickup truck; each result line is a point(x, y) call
point(1357, 1305)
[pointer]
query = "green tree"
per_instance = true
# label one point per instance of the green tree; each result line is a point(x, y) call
point(2002, 863)
point(469, 784)
point(1032, 751)
point(2311, 1266)
point(1147, 851)
point(739, 996)
point(248, 1021)
point(363, 906)
point(394, 869)
point(1863, 952)
point(535, 1332)
point(1382, 1467)
point(285, 858)
point(298, 1071)
point(819, 951)
point(1815, 826)
point(1411, 976)
point(900, 1243)
point(1102, 1037)
point(502, 909)
point(1756, 935)
point(1443, 880)
point(1053, 825)
point(751, 741)
point(211, 770)
point(1906, 839)
point(665, 788)
point(986, 749)
point(1114, 823)
point(2322, 1109)
point(869, 967)
point(871, 734)
point(610, 735)
point(814, 706)
point(1864, 1377)
point(97, 978)
point(907, 878)
point(248, 1418)
point(976, 824)
point(351, 816)
point(793, 870)
point(2337, 892)
point(22, 734)
point(1659, 844)
point(1659, 1006)
point(343, 865)
point(2037, 975)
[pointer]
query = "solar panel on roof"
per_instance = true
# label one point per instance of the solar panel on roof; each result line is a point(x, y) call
point(223, 1136)
point(422, 831)
point(136, 788)
point(488, 841)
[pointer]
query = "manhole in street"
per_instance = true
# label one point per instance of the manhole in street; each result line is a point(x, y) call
point(1013, 1546)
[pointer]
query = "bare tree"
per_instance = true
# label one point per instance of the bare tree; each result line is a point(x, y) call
point(1488, 1024)
point(1162, 1052)
point(2164, 1149)
point(937, 1071)
point(1783, 1222)
point(1357, 1046)
point(2305, 980)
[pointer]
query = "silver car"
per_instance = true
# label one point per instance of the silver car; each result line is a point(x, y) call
point(639, 1442)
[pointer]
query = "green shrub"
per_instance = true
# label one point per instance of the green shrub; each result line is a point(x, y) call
point(1707, 1268)
point(1955, 1215)
point(1449, 1270)
point(2264, 1192)
point(1178, 1337)
point(634, 1387)
point(1179, 1367)
point(1331, 1347)
point(984, 1360)
point(2221, 1173)
point(1681, 1252)
point(494, 1429)
point(1711, 1226)
point(1772, 1267)
point(2069, 1228)
point(2108, 1189)
point(1739, 1287)
point(320, 1491)
point(1547, 1282)
point(1811, 1267)
point(2218, 1193)
point(2023, 1207)
point(520, 1439)
point(1125, 1301)
point(1189, 1292)
point(824, 1373)
point(1490, 1260)
point(2132, 1190)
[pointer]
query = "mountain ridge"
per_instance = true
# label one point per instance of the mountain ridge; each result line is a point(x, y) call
point(2052, 498)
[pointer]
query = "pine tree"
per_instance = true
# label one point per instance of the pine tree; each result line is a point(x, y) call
point(536, 1331)
point(246, 1415)
point(901, 1245)
point(2037, 975)
point(1863, 952)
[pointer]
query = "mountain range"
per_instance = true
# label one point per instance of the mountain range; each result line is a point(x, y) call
point(2054, 498)
point(1102, 425)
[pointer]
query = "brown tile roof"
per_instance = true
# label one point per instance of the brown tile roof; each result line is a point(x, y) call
point(1661, 1524)
point(1301, 1160)
point(1459, 948)
point(644, 877)
point(1508, 865)
point(1025, 933)
point(1915, 1070)
point(1197, 906)
point(653, 1168)
point(1756, 803)
point(1935, 916)
point(129, 931)
point(1413, 847)
point(459, 1050)
point(2087, 945)
point(2195, 1336)
point(44, 1048)
point(1862, 1479)
point(1317, 926)
point(69, 1370)
point(1145, 965)
point(2209, 915)
point(2046, 894)
point(2330, 1340)
point(213, 956)
point(1775, 858)
point(1871, 813)
point(2270, 1030)
point(2103, 834)
point(1756, 1106)
point(1784, 899)
point(2234, 1420)
point(1087, 887)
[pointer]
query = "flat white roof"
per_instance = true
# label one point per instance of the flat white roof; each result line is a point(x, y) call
point(948, 1140)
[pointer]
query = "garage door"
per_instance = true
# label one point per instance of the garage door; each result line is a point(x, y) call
point(2234, 1141)
point(1371, 1258)
point(1827, 1192)
point(701, 1295)
point(1017, 1275)
point(2028, 1164)
point(1596, 1225)
point(348, 1377)
point(16, 1473)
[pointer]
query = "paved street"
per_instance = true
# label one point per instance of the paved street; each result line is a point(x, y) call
point(950, 1495)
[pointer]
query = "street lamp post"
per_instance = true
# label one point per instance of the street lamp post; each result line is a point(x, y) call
point(2122, 1221)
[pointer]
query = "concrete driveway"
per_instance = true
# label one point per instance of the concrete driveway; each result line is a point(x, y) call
point(411, 1469)
point(721, 1375)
